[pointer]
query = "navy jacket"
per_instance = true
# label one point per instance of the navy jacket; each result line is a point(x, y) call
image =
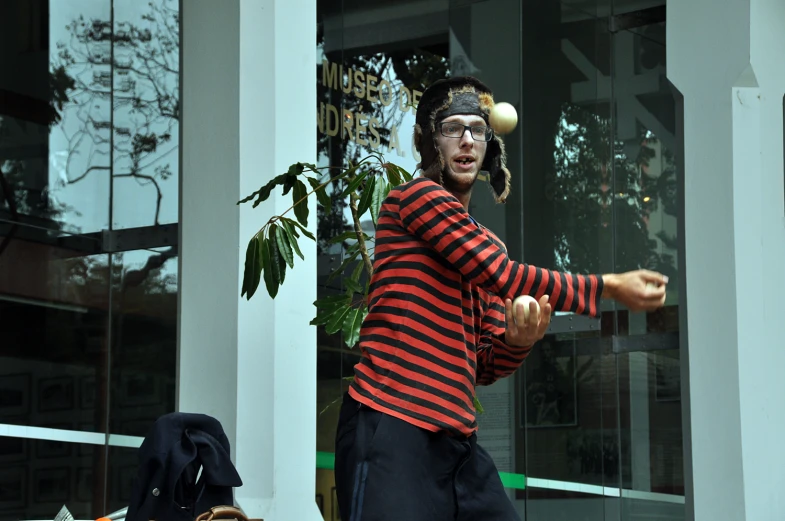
point(166, 486)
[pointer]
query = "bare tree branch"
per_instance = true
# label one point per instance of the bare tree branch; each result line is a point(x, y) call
point(154, 182)
point(125, 101)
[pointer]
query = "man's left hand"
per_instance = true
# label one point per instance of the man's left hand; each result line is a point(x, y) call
point(522, 331)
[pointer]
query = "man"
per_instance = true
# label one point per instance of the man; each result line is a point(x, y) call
point(441, 321)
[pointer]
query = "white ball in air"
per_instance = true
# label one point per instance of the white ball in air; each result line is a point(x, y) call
point(503, 118)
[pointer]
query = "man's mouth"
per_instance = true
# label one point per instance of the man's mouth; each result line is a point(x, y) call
point(464, 162)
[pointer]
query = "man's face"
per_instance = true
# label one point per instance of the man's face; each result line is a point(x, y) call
point(463, 155)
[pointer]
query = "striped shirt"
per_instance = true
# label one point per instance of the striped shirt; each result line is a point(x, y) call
point(435, 324)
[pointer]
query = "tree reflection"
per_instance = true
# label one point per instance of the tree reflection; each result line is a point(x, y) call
point(114, 95)
point(124, 105)
point(405, 70)
point(602, 195)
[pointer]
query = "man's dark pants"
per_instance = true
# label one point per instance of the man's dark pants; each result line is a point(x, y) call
point(388, 469)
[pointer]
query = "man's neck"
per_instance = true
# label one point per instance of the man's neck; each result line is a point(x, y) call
point(463, 198)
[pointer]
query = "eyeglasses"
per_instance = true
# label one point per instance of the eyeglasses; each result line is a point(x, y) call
point(456, 130)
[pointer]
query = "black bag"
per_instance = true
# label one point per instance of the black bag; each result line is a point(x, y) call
point(168, 486)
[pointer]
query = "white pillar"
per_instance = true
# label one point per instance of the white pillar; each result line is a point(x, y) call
point(726, 60)
point(248, 113)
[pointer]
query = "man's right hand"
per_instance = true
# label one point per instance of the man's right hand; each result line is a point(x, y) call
point(639, 290)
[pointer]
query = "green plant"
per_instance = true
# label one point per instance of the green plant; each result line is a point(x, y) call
point(273, 248)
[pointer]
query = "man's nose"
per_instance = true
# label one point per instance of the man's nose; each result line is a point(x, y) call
point(466, 138)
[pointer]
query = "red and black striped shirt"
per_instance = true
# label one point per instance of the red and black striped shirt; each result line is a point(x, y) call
point(435, 324)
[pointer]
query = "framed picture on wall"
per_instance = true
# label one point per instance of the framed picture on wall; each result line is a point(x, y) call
point(87, 392)
point(13, 449)
point(84, 484)
point(139, 389)
point(550, 392)
point(51, 485)
point(125, 478)
point(56, 394)
point(14, 394)
point(13, 487)
point(139, 427)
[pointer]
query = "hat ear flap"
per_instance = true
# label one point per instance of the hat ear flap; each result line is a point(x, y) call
point(431, 159)
point(495, 164)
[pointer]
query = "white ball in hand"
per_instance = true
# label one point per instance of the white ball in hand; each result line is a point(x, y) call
point(524, 300)
point(503, 118)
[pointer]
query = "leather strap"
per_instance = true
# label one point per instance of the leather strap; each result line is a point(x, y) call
point(223, 512)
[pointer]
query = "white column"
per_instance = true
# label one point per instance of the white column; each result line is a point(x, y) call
point(726, 60)
point(209, 244)
point(248, 113)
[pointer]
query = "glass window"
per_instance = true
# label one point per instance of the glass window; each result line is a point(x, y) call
point(593, 418)
point(144, 334)
point(646, 216)
point(53, 321)
point(89, 118)
point(39, 476)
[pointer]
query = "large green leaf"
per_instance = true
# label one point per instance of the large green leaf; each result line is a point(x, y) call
point(352, 324)
point(336, 321)
point(352, 285)
point(346, 236)
point(345, 264)
point(346, 175)
point(357, 273)
point(367, 196)
point(293, 236)
point(253, 268)
point(278, 263)
point(300, 202)
point(325, 315)
point(354, 248)
point(379, 193)
point(331, 301)
point(328, 306)
point(478, 406)
point(272, 285)
point(393, 174)
point(321, 194)
point(284, 247)
point(304, 230)
point(296, 169)
point(291, 178)
point(404, 174)
point(264, 192)
point(355, 183)
point(325, 310)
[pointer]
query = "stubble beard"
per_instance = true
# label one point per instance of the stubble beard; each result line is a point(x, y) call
point(459, 184)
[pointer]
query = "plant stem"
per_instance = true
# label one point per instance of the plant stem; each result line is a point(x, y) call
point(359, 231)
